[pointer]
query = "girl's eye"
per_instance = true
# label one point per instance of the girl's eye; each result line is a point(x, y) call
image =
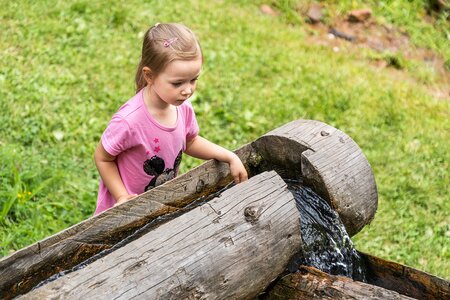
point(177, 84)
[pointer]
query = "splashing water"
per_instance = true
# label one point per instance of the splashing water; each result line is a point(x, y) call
point(326, 244)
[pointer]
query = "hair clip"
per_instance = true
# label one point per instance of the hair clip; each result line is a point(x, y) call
point(169, 42)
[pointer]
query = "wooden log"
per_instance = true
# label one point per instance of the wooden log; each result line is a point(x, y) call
point(310, 283)
point(405, 280)
point(281, 150)
point(327, 160)
point(24, 269)
point(231, 247)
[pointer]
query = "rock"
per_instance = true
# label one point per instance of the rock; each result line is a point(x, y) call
point(267, 10)
point(360, 15)
point(315, 13)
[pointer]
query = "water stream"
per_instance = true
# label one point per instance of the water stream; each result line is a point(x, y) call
point(326, 244)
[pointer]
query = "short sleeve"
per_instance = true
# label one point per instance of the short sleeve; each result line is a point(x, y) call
point(116, 137)
point(192, 128)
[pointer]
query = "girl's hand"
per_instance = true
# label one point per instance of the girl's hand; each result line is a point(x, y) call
point(124, 198)
point(202, 148)
point(237, 169)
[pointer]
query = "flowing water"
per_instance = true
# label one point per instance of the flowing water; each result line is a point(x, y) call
point(326, 244)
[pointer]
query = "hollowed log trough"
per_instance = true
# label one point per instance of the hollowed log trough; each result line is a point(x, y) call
point(233, 246)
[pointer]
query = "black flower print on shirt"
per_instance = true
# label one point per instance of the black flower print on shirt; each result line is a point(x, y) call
point(155, 166)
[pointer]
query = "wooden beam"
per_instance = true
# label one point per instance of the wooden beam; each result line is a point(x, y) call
point(231, 247)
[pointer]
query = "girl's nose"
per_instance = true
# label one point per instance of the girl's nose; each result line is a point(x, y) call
point(187, 90)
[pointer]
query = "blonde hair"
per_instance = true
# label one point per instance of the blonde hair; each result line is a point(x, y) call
point(164, 43)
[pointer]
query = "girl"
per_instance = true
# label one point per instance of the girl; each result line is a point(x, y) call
point(142, 146)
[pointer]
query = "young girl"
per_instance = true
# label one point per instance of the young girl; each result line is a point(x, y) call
point(142, 146)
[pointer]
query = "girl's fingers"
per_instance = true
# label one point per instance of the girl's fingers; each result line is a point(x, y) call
point(237, 179)
point(240, 177)
point(244, 176)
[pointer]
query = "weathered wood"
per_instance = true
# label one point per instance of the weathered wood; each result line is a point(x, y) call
point(24, 269)
point(251, 231)
point(310, 283)
point(284, 150)
point(327, 160)
point(405, 280)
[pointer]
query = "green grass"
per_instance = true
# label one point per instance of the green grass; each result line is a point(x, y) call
point(67, 66)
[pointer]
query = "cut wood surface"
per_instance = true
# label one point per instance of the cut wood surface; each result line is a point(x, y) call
point(310, 283)
point(327, 160)
point(232, 247)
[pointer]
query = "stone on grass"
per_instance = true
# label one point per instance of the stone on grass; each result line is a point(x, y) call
point(315, 13)
point(360, 15)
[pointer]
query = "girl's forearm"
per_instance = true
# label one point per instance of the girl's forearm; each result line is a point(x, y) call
point(109, 173)
point(203, 149)
point(111, 178)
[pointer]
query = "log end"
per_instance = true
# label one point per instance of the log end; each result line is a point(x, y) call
point(327, 160)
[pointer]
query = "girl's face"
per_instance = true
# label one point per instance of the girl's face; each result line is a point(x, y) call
point(176, 83)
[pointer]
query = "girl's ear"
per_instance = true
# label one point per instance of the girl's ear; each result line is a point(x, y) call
point(148, 75)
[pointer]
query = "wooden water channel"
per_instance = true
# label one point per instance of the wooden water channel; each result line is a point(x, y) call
point(236, 245)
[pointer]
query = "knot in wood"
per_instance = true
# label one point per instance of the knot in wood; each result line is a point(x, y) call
point(252, 214)
point(200, 186)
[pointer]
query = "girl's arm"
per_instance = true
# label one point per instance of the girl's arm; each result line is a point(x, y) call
point(202, 148)
point(106, 165)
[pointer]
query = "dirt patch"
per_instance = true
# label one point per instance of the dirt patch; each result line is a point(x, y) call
point(391, 43)
point(359, 29)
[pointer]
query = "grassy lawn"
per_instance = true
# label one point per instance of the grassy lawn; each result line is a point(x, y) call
point(67, 66)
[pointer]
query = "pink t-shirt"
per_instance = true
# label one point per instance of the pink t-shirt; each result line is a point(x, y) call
point(148, 153)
